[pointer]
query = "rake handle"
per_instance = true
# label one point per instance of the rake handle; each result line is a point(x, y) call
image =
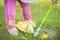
point(44, 19)
point(47, 13)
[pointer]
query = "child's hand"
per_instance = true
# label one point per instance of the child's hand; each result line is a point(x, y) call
point(54, 1)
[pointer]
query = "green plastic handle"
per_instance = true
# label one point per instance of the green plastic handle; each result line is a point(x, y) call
point(47, 13)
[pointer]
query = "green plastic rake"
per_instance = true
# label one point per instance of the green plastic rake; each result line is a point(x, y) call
point(44, 19)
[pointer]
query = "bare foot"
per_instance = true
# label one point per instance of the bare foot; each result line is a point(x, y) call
point(33, 24)
point(11, 28)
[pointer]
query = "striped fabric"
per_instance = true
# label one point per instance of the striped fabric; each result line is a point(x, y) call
point(29, 1)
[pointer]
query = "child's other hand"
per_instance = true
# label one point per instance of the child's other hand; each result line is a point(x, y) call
point(54, 1)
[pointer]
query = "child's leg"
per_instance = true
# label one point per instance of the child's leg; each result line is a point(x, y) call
point(26, 10)
point(10, 10)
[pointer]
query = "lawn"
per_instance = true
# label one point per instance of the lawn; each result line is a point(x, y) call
point(38, 11)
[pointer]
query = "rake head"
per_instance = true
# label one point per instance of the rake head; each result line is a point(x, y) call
point(45, 33)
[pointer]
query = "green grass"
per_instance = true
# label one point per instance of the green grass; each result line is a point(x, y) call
point(38, 12)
